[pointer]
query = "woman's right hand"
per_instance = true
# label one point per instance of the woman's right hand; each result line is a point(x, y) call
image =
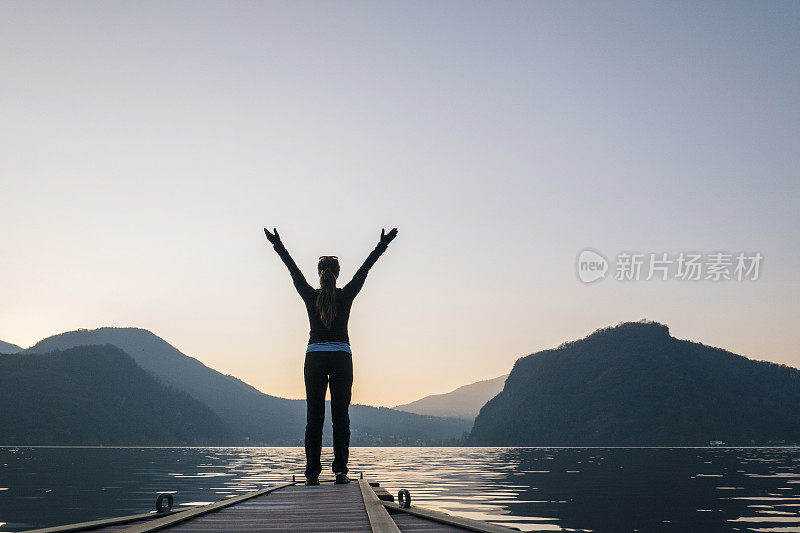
point(274, 238)
point(386, 238)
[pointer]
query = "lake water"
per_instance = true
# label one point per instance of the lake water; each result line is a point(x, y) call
point(534, 489)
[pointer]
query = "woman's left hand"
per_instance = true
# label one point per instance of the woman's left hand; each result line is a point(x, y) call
point(273, 238)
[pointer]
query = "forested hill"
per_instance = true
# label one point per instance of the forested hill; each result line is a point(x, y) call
point(7, 347)
point(251, 416)
point(633, 385)
point(96, 395)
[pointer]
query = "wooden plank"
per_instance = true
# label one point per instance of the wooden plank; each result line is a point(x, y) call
point(383, 494)
point(379, 518)
point(161, 523)
point(459, 521)
point(94, 524)
point(325, 508)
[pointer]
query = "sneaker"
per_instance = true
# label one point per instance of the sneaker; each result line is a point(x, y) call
point(341, 478)
point(312, 481)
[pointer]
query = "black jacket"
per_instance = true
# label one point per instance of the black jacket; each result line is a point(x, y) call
point(344, 296)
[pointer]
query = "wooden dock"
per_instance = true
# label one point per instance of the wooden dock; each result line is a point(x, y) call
point(357, 507)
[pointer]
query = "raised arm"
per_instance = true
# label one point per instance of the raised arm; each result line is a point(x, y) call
point(361, 274)
point(298, 279)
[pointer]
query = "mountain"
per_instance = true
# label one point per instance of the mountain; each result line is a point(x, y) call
point(251, 416)
point(7, 347)
point(463, 402)
point(634, 385)
point(96, 395)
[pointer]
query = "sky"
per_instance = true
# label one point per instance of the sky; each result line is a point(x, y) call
point(144, 146)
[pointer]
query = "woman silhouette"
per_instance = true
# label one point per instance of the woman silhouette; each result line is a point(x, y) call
point(328, 356)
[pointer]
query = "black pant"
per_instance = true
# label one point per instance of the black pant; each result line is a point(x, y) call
point(322, 368)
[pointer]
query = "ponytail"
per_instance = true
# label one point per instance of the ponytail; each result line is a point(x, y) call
point(326, 298)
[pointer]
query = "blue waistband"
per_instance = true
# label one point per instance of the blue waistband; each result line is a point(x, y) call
point(328, 347)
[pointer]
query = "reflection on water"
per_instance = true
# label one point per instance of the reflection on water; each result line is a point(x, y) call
point(533, 489)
